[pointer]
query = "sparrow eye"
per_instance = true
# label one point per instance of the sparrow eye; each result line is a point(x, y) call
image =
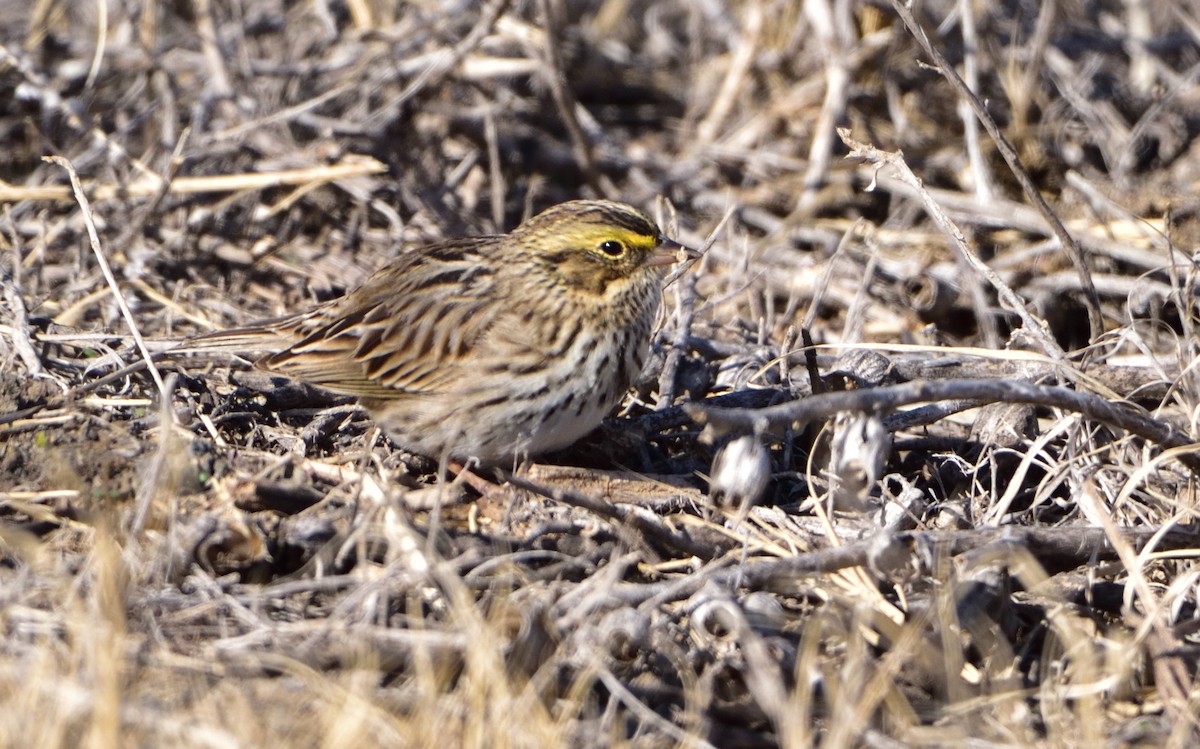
point(612, 248)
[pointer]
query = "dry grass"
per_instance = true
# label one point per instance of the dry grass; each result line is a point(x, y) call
point(1002, 552)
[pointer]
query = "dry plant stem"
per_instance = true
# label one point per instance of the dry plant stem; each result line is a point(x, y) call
point(989, 331)
point(435, 71)
point(1141, 31)
point(1095, 316)
point(19, 330)
point(786, 349)
point(889, 398)
point(151, 183)
point(360, 13)
point(86, 210)
point(831, 24)
point(815, 384)
point(564, 101)
point(150, 480)
point(914, 418)
point(745, 51)
point(214, 57)
point(1042, 34)
point(498, 189)
point(979, 167)
point(1056, 549)
point(857, 713)
point(1170, 672)
point(818, 297)
point(171, 171)
point(78, 390)
point(983, 176)
point(679, 269)
point(685, 311)
point(648, 524)
point(287, 114)
point(98, 54)
point(1036, 328)
point(1110, 285)
point(1102, 205)
point(852, 328)
point(1008, 214)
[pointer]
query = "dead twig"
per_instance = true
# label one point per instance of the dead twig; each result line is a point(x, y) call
point(564, 100)
point(1056, 549)
point(1095, 316)
point(1035, 327)
point(19, 330)
point(94, 237)
point(150, 184)
point(889, 398)
point(441, 66)
point(645, 523)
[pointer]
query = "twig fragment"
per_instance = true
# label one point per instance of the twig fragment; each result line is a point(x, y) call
point(889, 398)
point(1035, 327)
point(150, 184)
point(94, 237)
point(1095, 316)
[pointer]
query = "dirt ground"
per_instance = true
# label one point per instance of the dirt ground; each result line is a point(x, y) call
point(912, 464)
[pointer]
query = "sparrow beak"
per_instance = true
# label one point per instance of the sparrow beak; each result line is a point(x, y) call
point(670, 252)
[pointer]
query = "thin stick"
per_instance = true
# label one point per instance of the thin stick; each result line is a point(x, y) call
point(1035, 327)
point(19, 331)
point(1095, 316)
point(979, 166)
point(831, 26)
point(1056, 549)
point(150, 479)
point(889, 398)
point(150, 184)
point(565, 101)
point(214, 56)
point(744, 54)
point(94, 238)
point(645, 523)
point(446, 61)
point(685, 312)
point(495, 169)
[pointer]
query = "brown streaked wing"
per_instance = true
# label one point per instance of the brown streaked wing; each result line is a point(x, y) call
point(325, 358)
point(403, 331)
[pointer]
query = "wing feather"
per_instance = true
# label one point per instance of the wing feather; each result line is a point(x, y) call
point(401, 332)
